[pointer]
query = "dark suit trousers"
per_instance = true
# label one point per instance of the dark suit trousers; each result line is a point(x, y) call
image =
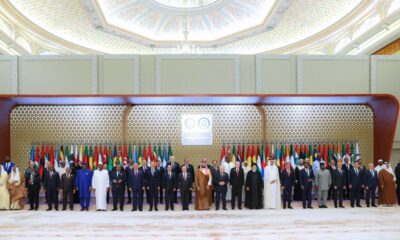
point(68, 194)
point(236, 194)
point(355, 195)
point(398, 194)
point(338, 195)
point(118, 196)
point(287, 196)
point(52, 198)
point(220, 195)
point(370, 195)
point(33, 195)
point(185, 199)
point(137, 200)
point(307, 196)
point(153, 197)
point(129, 195)
point(169, 199)
point(162, 194)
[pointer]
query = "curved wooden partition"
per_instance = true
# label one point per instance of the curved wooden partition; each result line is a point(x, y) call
point(384, 106)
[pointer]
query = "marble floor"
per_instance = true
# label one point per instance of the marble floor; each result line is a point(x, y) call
point(344, 224)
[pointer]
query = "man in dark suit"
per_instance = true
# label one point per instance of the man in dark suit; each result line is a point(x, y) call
point(236, 181)
point(185, 182)
point(397, 174)
point(68, 188)
point(51, 186)
point(144, 169)
point(332, 167)
point(153, 185)
point(118, 182)
point(214, 171)
point(346, 168)
point(32, 183)
point(189, 169)
point(175, 169)
point(221, 186)
point(161, 191)
point(170, 185)
point(288, 179)
point(136, 185)
point(370, 182)
point(355, 182)
point(306, 182)
point(128, 169)
point(339, 181)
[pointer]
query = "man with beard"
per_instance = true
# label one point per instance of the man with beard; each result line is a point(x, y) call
point(203, 187)
point(254, 188)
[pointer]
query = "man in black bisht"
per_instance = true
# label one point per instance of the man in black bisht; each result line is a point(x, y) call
point(254, 188)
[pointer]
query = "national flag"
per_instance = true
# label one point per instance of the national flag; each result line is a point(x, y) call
point(170, 153)
point(91, 163)
point(32, 154)
point(311, 153)
point(110, 158)
point(95, 157)
point(159, 156)
point(357, 152)
point(115, 156)
point(149, 155)
point(258, 161)
point(135, 155)
point(130, 153)
point(262, 159)
point(234, 155)
point(239, 154)
point(222, 154)
point(145, 155)
point(283, 156)
point(164, 157)
point(254, 154)
point(140, 155)
point(100, 156)
point(248, 156)
point(278, 154)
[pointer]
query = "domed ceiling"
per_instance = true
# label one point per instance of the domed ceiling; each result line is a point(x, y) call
point(199, 26)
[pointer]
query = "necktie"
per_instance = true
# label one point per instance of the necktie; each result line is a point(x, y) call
point(372, 173)
point(136, 173)
point(184, 176)
point(357, 172)
point(237, 171)
point(117, 174)
point(169, 174)
point(152, 172)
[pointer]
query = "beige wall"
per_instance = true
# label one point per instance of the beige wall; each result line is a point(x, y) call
point(246, 74)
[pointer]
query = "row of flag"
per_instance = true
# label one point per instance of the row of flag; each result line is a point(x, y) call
point(283, 152)
point(92, 155)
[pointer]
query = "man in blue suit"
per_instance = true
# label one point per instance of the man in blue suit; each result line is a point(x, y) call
point(306, 183)
point(287, 182)
point(84, 186)
point(136, 185)
point(221, 182)
point(8, 165)
point(370, 183)
point(118, 182)
point(355, 183)
point(152, 184)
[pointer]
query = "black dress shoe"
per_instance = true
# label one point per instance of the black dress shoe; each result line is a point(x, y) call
point(98, 210)
point(310, 207)
point(87, 209)
point(140, 209)
point(240, 208)
point(114, 209)
point(290, 207)
point(156, 209)
point(225, 208)
point(374, 205)
point(359, 206)
point(49, 209)
point(341, 206)
point(30, 209)
point(150, 209)
point(82, 209)
point(134, 209)
point(324, 206)
point(216, 209)
point(63, 209)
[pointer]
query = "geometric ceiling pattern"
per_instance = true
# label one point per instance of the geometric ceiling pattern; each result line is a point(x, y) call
point(198, 26)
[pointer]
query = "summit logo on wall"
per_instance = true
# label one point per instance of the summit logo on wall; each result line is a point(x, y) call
point(197, 129)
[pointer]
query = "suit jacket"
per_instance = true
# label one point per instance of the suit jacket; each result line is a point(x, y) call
point(369, 180)
point(35, 181)
point(121, 176)
point(354, 179)
point(136, 182)
point(287, 180)
point(397, 174)
point(189, 169)
point(347, 171)
point(185, 185)
point(236, 178)
point(304, 178)
point(152, 180)
point(221, 178)
point(162, 170)
point(339, 180)
point(176, 169)
point(67, 184)
point(51, 182)
point(169, 183)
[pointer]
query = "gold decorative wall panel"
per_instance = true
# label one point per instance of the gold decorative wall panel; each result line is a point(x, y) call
point(162, 124)
point(322, 124)
point(62, 124)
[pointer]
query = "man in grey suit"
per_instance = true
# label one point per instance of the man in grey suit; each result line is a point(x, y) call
point(323, 181)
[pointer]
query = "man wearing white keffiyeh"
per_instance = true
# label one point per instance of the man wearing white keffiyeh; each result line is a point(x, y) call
point(4, 194)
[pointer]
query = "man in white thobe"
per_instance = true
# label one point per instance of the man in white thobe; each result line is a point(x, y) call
point(228, 165)
point(4, 194)
point(272, 184)
point(101, 184)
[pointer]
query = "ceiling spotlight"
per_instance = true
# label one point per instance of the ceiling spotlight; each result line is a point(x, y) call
point(386, 27)
point(99, 27)
point(269, 28)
